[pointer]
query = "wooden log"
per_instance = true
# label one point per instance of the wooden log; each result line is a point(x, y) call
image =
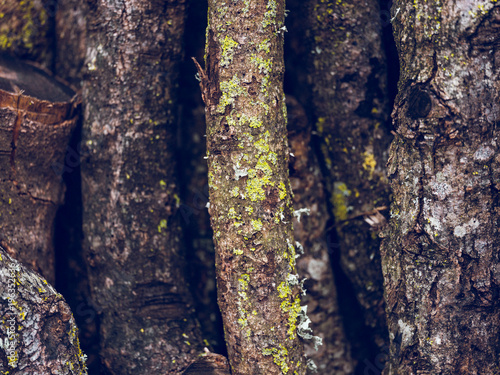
point(38, 334)
point(37, 116)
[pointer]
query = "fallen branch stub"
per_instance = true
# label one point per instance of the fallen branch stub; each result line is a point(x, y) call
point(39, 334)
point(37, 116)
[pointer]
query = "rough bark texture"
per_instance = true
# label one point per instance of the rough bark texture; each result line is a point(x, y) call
point(130, 189)
point(333, 357)
point(38, 334)
point(250, 197)
point(348, 81)
point(37, 115)
point(441, 260)
point(26, 29)
point(70, 27)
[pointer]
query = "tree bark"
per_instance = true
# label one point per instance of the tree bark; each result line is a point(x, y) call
point(26, 29)
point(334, 356)
point(348, 77)
point(250, 196)
point(130, 191)
point(37, 116)
point(70, 28)
point(38, 334)
point(440, 257)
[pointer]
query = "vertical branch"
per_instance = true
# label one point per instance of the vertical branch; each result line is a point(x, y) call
point(440, 257)
point(130, 189)
point(250, 196)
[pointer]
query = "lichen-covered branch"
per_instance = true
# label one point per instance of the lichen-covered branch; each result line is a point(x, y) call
point(130, 189)
point(38, 334)
point(348, 76)
point(440, 258)
point(250, 196)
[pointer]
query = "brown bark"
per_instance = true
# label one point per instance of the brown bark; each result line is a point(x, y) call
point(70, 27)
point(440, 257)
point(334, 356)
point(26, 29)
point(130, 192)
point(37, 115)
point(38, 334)
point(250, 197)
point(348, 81)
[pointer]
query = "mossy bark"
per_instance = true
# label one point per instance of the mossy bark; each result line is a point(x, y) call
point(38, 334)
point(440, 258)
point(250, 196)
point(348, 76)
point(37, 116)
point(310, 222)
point(130, 190)
point(26, 29)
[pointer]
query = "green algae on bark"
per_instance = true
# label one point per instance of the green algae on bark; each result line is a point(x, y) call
point(250, 197)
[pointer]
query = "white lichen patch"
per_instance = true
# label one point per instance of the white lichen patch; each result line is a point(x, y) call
point(299, 212)
point(406, 332)
point(461, 230)
point(483, 154)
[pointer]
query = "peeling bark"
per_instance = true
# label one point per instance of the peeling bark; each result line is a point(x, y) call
point(37, 116)
point(38, 334)
point(348, 81)
point(440, 258)
point(250, 197)
point(130, 191)
point(334, 356)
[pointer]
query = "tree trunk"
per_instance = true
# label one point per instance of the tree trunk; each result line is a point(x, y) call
point(37, 116)
point(334, 356)
point(348, 80)
point(70, 27)
point(130, 191)
point(38, 334)
point(26, 29)
point(250, 196)
point(440, 257)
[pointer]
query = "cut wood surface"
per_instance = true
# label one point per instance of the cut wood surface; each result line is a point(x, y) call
point(37, 116)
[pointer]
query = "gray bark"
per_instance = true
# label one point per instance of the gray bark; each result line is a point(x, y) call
point(130, 190)
point(440, 258)
point(38, 334)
